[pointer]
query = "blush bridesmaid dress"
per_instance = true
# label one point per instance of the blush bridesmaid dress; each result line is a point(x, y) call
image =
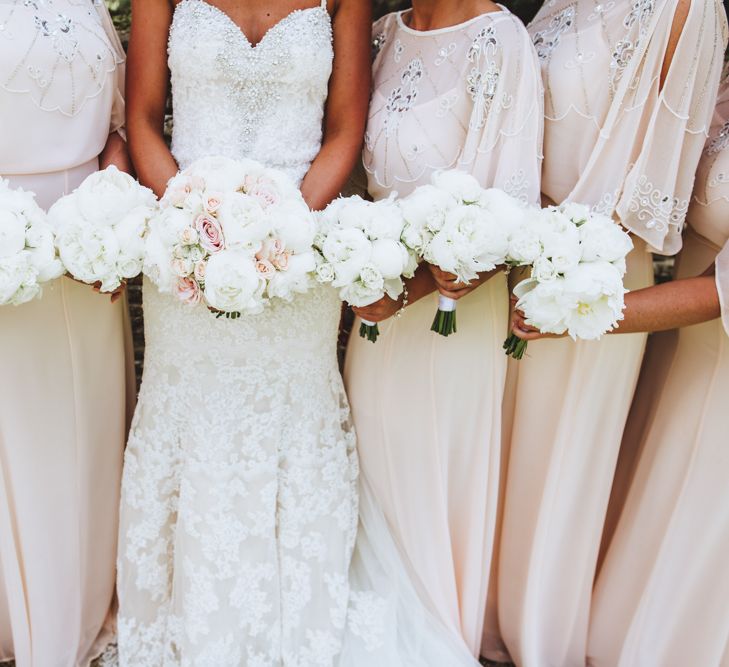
point(618, 140)
point(662, 595)
point(427, 409)
point(64, 391)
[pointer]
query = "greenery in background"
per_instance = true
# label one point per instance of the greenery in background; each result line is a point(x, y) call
point(121, 10)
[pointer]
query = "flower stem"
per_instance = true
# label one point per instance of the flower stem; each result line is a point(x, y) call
point(444, 322)
point(369, 331)
point(515, 347)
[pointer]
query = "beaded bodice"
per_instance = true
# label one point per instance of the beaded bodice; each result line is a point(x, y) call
point(233, 98)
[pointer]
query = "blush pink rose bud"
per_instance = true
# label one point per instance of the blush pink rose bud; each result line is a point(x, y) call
point(200, 271)
point(211, 233)
point(188, 291)
point(265, 268)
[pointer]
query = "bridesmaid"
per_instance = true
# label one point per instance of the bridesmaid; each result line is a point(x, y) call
point(629, 91)
point(456, 85)
point(662, 596)
point(62, 402)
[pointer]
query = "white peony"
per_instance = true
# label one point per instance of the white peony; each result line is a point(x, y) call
point(464, 187)
point(296, 279)
point(357, 294)
point(385, 220)
point(232, 283)
point(107, 195)
point(12, 233)
point(390, 257)
point(294, 224)
point(602, 239)
point(243, 221)
point(348, 250)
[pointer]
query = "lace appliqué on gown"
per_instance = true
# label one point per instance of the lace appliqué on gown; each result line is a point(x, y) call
point(239, 509)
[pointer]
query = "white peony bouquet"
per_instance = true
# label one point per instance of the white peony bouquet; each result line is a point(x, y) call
point(576, 284)
point(362, 254)
point(232, 235)
point(464, 229)
point(27, 255)
point(100, 228)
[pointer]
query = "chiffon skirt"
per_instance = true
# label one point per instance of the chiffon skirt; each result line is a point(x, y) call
point(427, 411)
point(570, 404)
point(662, 595)
point(62, 431)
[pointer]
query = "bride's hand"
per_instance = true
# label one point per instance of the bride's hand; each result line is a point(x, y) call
point(379, 310)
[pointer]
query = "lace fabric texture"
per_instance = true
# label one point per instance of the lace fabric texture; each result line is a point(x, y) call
point(607, 115)
point(709, 212)
point(462, 97)
point(239, 509)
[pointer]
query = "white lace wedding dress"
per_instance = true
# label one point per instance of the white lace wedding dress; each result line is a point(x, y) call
point(239, 509)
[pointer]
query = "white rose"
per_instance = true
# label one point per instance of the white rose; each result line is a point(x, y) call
point(464, 187)
point(128, 267)
point(325, 272)
point(232, 283)
point(372, 278)
point(390, 257)
point(12, 233)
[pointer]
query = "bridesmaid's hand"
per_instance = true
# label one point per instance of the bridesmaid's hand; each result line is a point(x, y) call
point(379, 310)
point(115, 295)
point(449, 285)
point(522, 330)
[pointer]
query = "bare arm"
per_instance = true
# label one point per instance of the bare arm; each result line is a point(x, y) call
point(116, 153)
point(672, 305)
point(679, 21)
point(346, 110)
point(147, 88)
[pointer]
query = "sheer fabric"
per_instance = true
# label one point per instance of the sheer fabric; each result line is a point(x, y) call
point(468, 96)
point(63, 402)
point(612, 114)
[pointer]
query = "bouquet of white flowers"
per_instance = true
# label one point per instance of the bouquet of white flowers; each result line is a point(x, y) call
point(231, 234)
point(100, 228)
point(464, 229)
point(576, 286)
point(362, 254)
point(27, 255)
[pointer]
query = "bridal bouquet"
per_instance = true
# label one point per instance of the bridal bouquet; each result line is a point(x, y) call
point(232, 235)
point(462, 228)
point(27, 255)
point(362, 254)
point(100, 228)
point(576, 286)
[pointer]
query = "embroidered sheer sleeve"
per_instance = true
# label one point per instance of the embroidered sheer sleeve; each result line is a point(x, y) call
point(658, 187)
point(117, 121)
point(503, 146)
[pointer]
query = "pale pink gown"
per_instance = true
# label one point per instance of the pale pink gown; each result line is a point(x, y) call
point(427, 409)
point(662, 596)
point(618, 141)
point(62, 398)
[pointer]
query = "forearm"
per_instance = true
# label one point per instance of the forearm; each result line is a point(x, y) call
point(152, 159)
point(421, 284)
point(330, 171)
point(116, 153)
point(672, 305)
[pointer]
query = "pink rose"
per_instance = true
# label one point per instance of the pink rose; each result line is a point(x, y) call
point(270, 248)
point(200, 271)
point(188, 291)
point(265, 268)
point(211, 233)
point(212, 202)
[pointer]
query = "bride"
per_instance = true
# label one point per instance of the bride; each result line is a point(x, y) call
point(240, 498)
